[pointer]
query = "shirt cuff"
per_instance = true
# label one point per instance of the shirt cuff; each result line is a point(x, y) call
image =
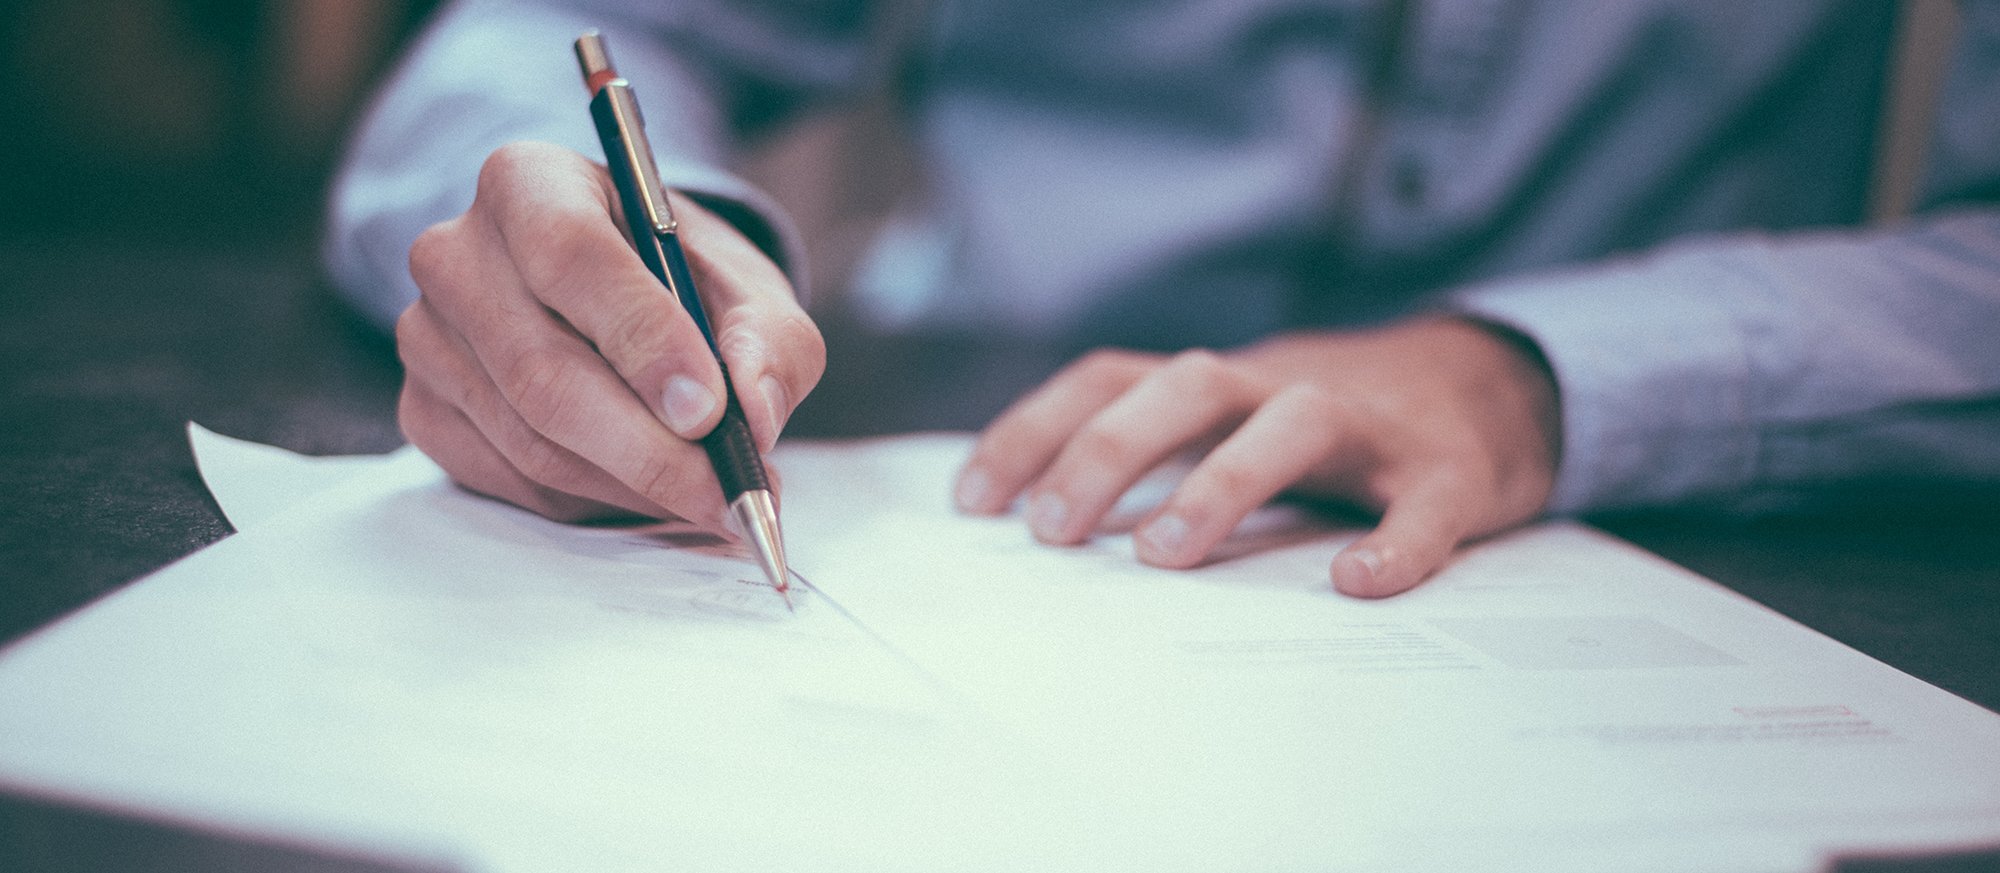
point(752, 212)
point(1654, 381)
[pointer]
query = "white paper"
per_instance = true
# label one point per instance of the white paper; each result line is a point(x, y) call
point(253, 481)
point(1556, 699)
point(396, 664)
point(400, 665)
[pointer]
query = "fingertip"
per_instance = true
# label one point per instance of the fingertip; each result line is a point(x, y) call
point(974, 493)
point(1049, 518)
point(1360, 571)
point(1167, 541)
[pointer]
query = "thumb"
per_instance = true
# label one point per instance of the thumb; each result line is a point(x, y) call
point(1417, 534)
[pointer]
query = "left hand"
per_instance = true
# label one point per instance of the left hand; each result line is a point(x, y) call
point(1448, 427)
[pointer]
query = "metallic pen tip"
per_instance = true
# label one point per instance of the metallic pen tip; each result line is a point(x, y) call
point(757, 519)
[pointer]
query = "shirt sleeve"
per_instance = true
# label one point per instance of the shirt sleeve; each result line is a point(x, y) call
point(488, 72)
point(1756, 371)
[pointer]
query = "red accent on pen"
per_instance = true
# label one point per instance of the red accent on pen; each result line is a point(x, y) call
point(599, 79)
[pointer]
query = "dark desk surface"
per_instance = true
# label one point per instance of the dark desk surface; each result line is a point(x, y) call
point(104, 359)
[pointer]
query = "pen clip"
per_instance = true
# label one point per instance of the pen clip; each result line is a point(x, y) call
point(639, 156)
point(595, 58)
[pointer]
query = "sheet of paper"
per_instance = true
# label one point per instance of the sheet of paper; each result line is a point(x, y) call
point(1554, 689)
point(401, 665)
point(253, 481)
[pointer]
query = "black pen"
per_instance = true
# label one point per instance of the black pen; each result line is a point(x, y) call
point(738, 466)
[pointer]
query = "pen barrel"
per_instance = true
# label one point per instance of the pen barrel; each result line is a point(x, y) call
point(658, 247)
point(739, 467)
point(680, 281)
point(732, 451)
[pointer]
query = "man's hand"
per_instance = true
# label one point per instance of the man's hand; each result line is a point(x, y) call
point(1447, 427)
point(547, 367)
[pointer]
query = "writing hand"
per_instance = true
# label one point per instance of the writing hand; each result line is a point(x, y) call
point(1446, 427)
point(547, 367)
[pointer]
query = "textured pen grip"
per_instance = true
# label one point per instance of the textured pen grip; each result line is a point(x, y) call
point(733, 453)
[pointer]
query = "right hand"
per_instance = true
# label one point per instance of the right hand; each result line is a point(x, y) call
point(545, 366)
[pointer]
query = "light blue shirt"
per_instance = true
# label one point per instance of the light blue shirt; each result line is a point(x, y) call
point(1665, 196)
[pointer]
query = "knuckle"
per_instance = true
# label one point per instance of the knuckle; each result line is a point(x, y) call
point(410, 334)
point(1311, 407)
point(414, 419)
point(429, 257)
point(787, 342)
point(542, 386)
point(742, 342)
point(1198, 361)
point(539, 460)
point(1198, 371)
point(1104, 371)
point(1098, 446)
point(638, 331)
point(1231, 481)
point(1100, 362)
point(510, 163)
point(558, 261)
point(549, 234)
point(421, 340)
point(805, 347)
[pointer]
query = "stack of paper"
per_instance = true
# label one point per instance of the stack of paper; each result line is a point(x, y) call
point(394, 664)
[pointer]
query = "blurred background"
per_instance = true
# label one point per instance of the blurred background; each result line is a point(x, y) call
point(162, 168)
point(213, 125)
point(204, 122)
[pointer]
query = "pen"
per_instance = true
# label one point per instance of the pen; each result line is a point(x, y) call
point(738, 466)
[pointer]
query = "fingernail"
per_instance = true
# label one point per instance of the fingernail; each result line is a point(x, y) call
point(1357, 576)
point(1046, 515)
point(776, 405)
point(1164, 536)
point(687, 404)
point(974, 488)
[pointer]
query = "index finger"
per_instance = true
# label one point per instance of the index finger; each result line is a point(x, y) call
point(556, 219)
point(1026, 438)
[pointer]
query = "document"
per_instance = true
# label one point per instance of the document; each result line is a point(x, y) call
point(1555, 699)
point(252, 481)
point(395, 664)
